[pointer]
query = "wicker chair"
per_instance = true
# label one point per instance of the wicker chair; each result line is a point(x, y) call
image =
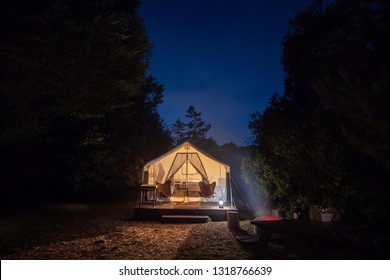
point(207, 191)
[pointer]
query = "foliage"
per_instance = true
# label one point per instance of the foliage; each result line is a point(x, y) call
point(321, 142)
point(194, 130)
point(361, 98)
point(178, 131)
point(78, 110)
point(197, 128)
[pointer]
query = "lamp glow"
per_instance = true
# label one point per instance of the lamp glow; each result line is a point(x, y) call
point(220, 202)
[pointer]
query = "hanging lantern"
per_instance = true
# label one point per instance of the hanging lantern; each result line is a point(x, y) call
point(220, 202)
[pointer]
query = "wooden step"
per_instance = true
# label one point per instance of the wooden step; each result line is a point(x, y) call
point(185, 218)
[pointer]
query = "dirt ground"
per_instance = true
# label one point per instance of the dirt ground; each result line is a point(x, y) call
point(78, 232)
point(78, 236)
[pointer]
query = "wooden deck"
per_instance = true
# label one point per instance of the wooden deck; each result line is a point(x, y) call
point(211, 209)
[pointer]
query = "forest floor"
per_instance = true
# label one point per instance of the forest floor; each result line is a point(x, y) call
point(76, 232)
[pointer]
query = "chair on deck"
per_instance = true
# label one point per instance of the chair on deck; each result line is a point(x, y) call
point(164, 190)
point(207, 190)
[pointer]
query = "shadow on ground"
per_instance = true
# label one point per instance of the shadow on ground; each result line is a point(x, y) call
point(52, 224)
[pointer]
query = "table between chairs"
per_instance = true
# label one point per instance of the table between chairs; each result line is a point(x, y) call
point(296, 234)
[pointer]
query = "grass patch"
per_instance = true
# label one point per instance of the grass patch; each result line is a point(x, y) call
point(246, 215)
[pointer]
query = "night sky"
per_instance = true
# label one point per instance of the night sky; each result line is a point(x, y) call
point(221, 56)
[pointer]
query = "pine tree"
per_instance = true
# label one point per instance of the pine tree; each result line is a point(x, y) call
point(196, 128)
point(178, 131)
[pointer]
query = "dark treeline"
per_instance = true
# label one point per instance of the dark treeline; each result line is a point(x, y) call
point(78, 109)
point(325, 141)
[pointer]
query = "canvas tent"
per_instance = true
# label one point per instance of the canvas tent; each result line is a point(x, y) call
point(187, 164)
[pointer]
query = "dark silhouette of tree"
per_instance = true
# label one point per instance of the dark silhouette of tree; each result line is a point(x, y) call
point(178, 131)
point(357, 89)
point(194, 130)
point(78, 110)
point(196, 127)
point(321, 142)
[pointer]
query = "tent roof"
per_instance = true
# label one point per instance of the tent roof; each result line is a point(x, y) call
point(177, 148)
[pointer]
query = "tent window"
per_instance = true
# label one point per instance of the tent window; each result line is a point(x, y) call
point(192, 158)
point(191, 171)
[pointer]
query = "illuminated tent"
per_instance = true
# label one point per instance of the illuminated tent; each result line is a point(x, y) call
point(187, 165)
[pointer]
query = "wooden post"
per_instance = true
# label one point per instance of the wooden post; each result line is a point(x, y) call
point(233, 220)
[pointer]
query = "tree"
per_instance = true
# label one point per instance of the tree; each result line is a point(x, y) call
point(179, 131)
point(300, 149)
point(78, 110)
point(194, 130)
point(196, 127)
point(360, 100)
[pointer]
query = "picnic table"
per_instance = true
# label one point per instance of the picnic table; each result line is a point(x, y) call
point(298, 233)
